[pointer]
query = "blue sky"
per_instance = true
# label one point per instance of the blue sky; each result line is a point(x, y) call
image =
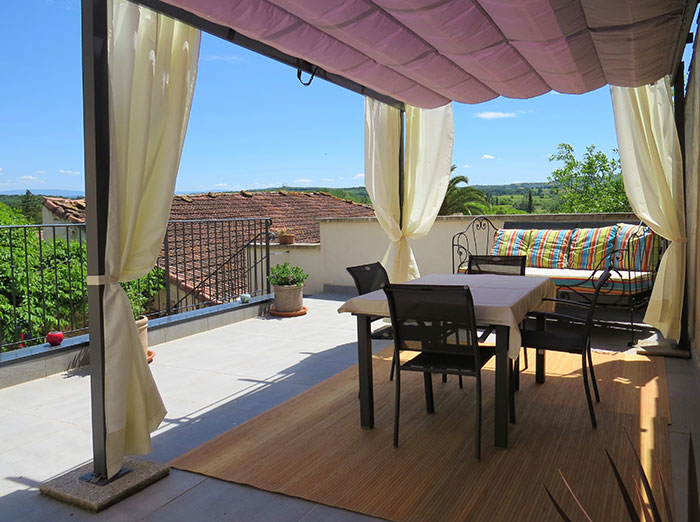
point(252, 123)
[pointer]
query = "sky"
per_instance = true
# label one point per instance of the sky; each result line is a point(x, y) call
point(252, 124)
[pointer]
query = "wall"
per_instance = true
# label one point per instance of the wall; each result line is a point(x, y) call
point(353, 241)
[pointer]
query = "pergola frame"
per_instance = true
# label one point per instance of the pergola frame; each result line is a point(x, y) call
point(97, 162)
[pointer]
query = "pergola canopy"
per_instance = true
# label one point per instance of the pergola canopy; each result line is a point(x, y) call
point(428, 52)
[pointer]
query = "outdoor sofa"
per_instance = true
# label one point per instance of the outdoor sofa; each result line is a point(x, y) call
point(573, 255)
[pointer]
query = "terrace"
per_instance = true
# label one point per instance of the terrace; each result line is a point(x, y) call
point(410, 63)
point(220, 378)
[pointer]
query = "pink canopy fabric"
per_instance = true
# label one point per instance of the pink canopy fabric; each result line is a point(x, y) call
point(428, 52)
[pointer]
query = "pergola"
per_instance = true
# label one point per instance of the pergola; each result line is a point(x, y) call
point(409, 55)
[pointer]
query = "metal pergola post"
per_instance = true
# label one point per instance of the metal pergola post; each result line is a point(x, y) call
point(402, 160)
point(97, 161)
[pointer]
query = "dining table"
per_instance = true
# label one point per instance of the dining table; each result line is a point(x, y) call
point(500, 301)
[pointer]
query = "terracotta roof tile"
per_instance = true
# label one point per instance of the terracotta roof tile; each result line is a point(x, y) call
point(297, 211)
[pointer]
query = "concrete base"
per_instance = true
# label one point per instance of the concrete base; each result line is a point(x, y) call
point(657, 345)
point(71, 489)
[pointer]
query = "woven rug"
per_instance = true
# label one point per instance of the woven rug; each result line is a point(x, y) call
point(312, 446)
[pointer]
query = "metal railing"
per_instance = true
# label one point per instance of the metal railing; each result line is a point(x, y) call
point(43, 273)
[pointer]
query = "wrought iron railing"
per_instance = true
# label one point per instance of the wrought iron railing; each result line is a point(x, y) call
point(43, 273)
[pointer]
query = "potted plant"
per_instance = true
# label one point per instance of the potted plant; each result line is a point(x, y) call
point(285, 236)
point(288, 284)
point(139, 303)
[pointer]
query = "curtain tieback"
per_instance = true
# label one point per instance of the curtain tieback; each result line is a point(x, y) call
point(103, 279)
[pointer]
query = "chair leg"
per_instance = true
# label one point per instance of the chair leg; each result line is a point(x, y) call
point(478, 417)
point(584, 371)
point(512, 369)
point(444, 377)
point(525, 358)
point(397, 404)
point(593, 379)
point(516, 374)
point(429, 403)
point(393, 366)
point(461, 385)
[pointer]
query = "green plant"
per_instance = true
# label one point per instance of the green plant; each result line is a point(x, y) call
point(285, 274)
point(462, 199)
point(592, 184)
point(141, 291)
point(651, 511)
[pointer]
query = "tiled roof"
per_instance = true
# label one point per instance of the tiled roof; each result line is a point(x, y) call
point(297, 211)
point(71, 210)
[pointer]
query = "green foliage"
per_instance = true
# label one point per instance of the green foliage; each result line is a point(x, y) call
point(593, 184)
point(285, 274)
point(462, 199)
point(43, 283)
point(27, 205)
point(141, 291)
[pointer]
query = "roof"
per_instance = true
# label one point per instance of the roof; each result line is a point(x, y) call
point(427, 52)
point(71, 210)
point(297, 211)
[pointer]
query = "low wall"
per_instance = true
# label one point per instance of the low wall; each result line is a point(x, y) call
point(353, 241)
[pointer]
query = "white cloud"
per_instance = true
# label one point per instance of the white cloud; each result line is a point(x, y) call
point(302, 180)
point(29, 178)
point(466, 166)
point(221, 184)
point(0, 170)
point(225, 59)
point(488, 156)
point(69, 172)
point(358, 176)
point(494, 115)
point(40, 172)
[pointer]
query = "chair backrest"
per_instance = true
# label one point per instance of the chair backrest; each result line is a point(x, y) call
point(368, 278)
point(432, 318)
point(504, 265)
point(599, 285)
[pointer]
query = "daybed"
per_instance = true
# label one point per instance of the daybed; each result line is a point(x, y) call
point(573, 254)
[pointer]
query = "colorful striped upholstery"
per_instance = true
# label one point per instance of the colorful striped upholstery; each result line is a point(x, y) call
point(549, 248)
point(643, 245)
point(590, 246)
point(510, 242)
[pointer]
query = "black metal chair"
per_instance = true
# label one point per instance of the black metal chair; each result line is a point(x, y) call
point(499, 265)
point(369, 278)
point(574, 337)
point(437, 322)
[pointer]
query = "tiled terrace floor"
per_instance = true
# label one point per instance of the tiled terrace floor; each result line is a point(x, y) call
point(212, 382)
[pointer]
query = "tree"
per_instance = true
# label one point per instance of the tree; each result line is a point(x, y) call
point(462, 199)
point(593, 184)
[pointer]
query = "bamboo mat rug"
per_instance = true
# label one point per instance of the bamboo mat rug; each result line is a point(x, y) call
point(312, 446)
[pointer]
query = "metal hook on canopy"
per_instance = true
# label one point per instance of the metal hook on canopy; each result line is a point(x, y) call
point(311, 78)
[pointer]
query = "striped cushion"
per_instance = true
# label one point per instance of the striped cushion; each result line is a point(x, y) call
point(590, 246)
point(641, 247)
point(549, 248)
point(510, 242)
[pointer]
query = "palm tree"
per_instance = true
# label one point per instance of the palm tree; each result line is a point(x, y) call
point(462, 199)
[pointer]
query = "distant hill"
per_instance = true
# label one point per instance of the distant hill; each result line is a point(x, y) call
point(47, 192)
point(512, 188)
point(356, 194)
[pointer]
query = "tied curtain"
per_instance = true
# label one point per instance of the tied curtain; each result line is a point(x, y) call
point(428, 157)
point(652, 169)
point(152, 71)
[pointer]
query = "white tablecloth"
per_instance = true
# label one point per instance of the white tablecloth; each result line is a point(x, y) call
point(498, 300)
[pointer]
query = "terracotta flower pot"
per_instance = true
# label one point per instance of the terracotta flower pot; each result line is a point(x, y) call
point(289, 298)
point(286, 239)
point(142, 327)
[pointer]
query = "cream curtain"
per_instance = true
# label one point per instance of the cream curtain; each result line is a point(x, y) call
point(652, 169)
point(428, 157)
point(153, 65)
